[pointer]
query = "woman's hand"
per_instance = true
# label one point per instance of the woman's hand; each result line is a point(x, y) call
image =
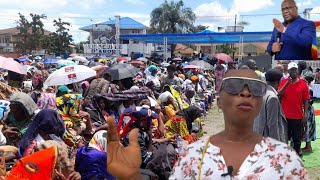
point(123, 162)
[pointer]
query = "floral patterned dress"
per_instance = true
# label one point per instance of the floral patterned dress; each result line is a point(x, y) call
point(270, 159)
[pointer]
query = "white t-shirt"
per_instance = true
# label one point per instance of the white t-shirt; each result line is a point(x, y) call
point(154, 79)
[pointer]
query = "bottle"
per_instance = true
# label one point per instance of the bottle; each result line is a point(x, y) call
point(179, 145)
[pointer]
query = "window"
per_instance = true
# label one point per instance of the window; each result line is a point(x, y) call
point(7, 39)
point(135, 31)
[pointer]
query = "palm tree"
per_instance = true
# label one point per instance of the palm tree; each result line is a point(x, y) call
point(172, 17)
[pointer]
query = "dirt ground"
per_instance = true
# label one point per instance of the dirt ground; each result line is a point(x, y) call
point(214, 123)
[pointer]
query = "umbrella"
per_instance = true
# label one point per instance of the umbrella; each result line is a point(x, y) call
point(66, 63)
point(80, 59)
point(121, 59)
point(27, 68)
point(142, 59)
point(122, 71)
point(136, 62)
point(99, 69)
point(69, 74)
point(177, 59)
point(37, 58)
point(11, 65)
point(224, 57)
point(50, 61)
point(164, 64)
point(23, 59)
point(202, 64)
point(191, 67)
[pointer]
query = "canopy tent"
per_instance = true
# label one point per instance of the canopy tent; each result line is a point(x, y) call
point(204, 37)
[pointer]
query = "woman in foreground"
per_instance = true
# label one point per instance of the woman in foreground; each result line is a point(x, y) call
point(235, 153)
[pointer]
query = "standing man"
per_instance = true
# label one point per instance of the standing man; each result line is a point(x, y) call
point(294, 93)
point(292, 39)
point(271, 121)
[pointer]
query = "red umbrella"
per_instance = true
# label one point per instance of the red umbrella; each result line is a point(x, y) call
point(136, 62)
point(121, 59)
point(224, 57)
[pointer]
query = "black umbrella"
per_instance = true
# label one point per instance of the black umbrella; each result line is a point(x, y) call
point(122, 71)
point(202, 64)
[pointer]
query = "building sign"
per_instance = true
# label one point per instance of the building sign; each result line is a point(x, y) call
point(104, 49)
point(103, 34)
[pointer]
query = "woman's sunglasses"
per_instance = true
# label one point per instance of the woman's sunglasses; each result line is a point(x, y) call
point(235, 85)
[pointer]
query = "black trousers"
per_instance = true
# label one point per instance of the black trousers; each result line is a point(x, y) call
point(294, 133)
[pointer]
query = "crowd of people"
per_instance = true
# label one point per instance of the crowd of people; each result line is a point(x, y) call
point(137, 127)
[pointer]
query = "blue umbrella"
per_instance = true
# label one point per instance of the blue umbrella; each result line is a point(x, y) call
point(50, 61)
point(23, 59)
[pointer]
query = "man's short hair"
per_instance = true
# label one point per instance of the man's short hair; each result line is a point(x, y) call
point(273, 75)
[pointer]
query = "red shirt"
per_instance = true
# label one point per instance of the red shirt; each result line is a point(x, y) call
point(293, 98)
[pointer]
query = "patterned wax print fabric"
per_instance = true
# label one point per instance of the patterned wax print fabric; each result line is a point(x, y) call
point(68, 107)
point(270, 159)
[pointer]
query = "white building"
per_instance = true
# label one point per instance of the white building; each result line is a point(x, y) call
point(102, 38)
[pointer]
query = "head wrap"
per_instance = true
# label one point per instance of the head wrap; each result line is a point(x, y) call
point(64, 89)
point(194, 78)
point(164, 97)
point(47, 121)
point(182, 76)
point(190, 114)
point(68, 107)
point(99, 141)
point(152, 68)
point(26, 102)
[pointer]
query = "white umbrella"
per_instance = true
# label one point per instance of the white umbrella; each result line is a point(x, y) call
point(80, 59)
point(143, 59)
point(69, 74)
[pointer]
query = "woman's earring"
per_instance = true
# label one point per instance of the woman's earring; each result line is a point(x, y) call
point(219, 110)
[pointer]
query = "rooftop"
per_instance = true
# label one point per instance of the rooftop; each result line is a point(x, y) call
point(125, 23)
point(15, 31)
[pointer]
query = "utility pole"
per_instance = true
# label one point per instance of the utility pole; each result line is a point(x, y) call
point(235, 27)
point(118, 35)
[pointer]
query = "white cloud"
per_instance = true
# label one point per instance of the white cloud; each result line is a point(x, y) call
point(135, 2)
point(305, 3)
point(250, 5)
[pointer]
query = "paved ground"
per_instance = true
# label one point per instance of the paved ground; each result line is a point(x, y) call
point(214, 123)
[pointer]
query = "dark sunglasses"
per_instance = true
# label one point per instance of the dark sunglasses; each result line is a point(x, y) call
point(235, 85)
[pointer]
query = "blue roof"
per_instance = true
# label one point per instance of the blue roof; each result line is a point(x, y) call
point(204, 37)
point(125, 23)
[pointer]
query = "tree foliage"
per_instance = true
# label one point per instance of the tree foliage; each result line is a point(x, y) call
point(199, 28)
point(30, 33)
point(172, 17)
point(227, 48)
point(61, 39)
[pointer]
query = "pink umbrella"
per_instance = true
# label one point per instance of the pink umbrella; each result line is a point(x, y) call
point(224, 57)
point(191, 67)
point(177, 59)
point(11, 65)
point(121, 59)
point(136, 62)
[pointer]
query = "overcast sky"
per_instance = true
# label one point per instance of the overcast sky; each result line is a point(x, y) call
point(213, 13)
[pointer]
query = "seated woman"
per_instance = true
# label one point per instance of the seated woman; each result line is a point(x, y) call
point(181, 124)
point(22, 110)
point(46, 125)
point(91, 160)
point(170, 109)
point(235, 153)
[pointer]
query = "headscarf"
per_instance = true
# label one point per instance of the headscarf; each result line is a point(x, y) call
point(190, 114)
point(194, 78)
point(64, 89)
point(48, 121)
point(39, 165)
point(164, 97)
point(99, 141)
point(152, 68)
point(69, 107)
point(25, 100)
